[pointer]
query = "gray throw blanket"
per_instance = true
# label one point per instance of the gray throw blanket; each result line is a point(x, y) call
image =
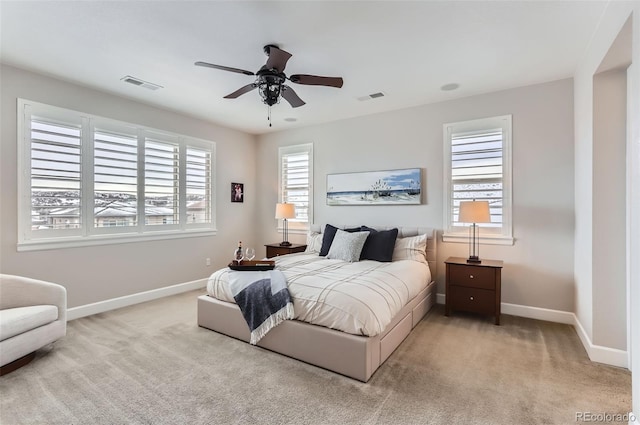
point(263, 298)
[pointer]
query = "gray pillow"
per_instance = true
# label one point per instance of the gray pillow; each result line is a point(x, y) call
point(347, 246)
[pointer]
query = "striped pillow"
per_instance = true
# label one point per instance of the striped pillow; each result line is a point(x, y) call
point(411, 248)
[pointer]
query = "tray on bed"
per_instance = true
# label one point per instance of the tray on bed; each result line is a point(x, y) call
point(260, 265)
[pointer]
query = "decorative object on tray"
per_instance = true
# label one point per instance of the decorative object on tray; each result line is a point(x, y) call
point(258, 265)
point(474, 212)
point(237, 192)
point(263, 298)
point(238, 254)
point(284, 212)
point(392, 187)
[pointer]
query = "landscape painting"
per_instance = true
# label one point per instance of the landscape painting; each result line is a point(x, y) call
point(392, 187)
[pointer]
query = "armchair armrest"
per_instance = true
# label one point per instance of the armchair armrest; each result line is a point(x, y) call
point(19, 291)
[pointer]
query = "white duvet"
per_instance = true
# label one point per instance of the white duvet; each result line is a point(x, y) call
point(360, 298)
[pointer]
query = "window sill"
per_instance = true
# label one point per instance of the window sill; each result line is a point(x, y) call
point(484, 239)
point(98, 240)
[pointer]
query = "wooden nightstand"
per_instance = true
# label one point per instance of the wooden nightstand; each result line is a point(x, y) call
point(473, 287)
point(274, 249)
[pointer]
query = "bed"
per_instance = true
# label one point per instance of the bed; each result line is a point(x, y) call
point(355, 347)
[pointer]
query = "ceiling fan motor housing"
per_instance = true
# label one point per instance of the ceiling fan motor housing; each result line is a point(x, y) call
point(270, 85)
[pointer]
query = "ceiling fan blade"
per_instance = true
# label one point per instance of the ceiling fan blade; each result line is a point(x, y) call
point(277, 58)
point(314, 80)
point(224, 68)
point(291, 97)
point(241, 91)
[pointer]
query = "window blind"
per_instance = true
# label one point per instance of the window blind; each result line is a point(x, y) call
point(161, 182)
point(115, 179)
point(476, 172)
point(198, 175)
point(295, 188)
point(55, 175)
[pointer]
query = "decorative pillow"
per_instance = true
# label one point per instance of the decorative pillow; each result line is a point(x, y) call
point(314, 242)
point(411, 248)
point(347, 246)
point(328, 235)
point(379, 245)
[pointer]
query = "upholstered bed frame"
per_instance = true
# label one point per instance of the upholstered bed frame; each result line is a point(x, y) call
point(355, 356)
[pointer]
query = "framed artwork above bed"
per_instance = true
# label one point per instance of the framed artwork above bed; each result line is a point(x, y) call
point(390, 187)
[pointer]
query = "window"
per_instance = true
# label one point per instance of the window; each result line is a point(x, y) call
point(296, 183)
point(90, 180)
point(478, 166)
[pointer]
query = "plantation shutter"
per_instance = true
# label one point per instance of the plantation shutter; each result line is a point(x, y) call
point(295, 181)
point(476, 172)
point(115, 179)
point(161, 182)
point(198, 176)
point(55, 175)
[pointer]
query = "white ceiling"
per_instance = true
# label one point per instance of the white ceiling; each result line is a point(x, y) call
point(407, 50)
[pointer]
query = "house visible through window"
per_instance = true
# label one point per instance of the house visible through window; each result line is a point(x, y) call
point(296, 178)
point(478, 167)
point(83, 176)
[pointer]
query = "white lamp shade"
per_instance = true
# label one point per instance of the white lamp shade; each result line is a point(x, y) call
point(285, 211)
point(474, 212)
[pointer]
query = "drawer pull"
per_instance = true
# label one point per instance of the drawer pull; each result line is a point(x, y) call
point(470, 276)
point(471, 298)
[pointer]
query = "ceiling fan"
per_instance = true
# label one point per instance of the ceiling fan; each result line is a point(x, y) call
point(271, 79)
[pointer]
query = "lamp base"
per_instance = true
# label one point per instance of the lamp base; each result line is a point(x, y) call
point(474, 259)
point(285, 243)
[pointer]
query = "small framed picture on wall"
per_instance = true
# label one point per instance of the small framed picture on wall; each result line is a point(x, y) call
point(237, 192)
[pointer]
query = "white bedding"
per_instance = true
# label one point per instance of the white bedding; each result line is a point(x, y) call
point(360, 298)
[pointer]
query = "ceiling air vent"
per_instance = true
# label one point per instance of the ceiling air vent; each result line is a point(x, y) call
point(138, 82)
point(371, 96)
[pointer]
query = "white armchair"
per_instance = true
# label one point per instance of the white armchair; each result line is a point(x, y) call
point(33, 313)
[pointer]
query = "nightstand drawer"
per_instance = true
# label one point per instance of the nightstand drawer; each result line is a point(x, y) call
point(472, 299)
point(473, 277)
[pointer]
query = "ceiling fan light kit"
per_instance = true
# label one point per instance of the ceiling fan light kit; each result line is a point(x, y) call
point(270, 79)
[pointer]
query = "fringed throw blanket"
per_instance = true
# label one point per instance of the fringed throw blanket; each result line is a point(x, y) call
point(263, 298)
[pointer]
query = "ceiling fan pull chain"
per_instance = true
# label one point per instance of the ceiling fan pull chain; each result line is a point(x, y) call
point(269, 116)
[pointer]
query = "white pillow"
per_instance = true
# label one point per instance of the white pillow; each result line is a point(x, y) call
point(347, 246)
point(314, 242)
point(411, 248)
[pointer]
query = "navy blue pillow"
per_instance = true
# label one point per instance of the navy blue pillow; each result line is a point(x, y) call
point(328, 235)
point(379, 244)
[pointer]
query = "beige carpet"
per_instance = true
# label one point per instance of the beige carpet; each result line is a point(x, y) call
point(152, 364)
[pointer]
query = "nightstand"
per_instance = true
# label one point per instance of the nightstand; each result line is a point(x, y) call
point(473, 287)
point(274, 249)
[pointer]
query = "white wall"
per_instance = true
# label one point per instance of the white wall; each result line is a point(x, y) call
point(539, 266)
point(609, 209)
point(588, 306)
point(93, 274)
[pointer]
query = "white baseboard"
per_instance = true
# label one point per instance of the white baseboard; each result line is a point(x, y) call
point(127, 300)
point(596, 353)
point(556, 316)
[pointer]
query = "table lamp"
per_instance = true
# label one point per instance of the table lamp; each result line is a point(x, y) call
point(285, 211)
point(474, 212)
